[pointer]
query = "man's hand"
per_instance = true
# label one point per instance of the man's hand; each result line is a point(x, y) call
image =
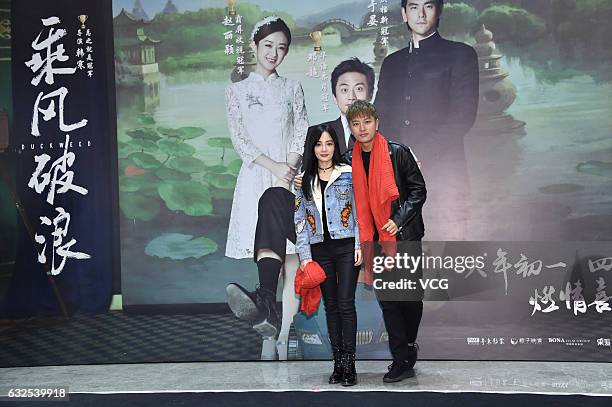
point(390, 227)
point(304, 263)
point(297, 181)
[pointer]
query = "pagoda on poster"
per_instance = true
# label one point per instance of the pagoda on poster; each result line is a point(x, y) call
point(497, 92)
point(170, 8)
point(135, 63)
point(139, 12)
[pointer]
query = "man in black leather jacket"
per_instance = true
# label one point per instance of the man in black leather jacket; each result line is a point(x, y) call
point(405, 211)
point(402, 318)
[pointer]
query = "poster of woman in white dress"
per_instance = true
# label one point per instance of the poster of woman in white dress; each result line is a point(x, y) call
point(268, 124)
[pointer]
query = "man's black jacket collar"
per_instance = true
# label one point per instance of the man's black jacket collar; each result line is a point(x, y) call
point(426, 44)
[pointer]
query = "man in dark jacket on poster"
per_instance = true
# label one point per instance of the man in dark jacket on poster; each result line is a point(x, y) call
point(351, 80)
point(427, 99)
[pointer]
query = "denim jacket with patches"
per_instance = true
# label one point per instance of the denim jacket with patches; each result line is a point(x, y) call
point(340, 212)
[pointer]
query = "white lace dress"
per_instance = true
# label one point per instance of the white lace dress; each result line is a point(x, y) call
point(265, 116)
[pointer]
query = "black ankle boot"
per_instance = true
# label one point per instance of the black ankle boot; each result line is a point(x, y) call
point(337, 375)
point(269, 321)
point(349, 377)
point(258, 306)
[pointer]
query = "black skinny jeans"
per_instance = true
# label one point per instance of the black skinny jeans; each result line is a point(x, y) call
point(337, 258)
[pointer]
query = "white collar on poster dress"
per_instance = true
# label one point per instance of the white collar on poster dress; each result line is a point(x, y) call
point(257, 77)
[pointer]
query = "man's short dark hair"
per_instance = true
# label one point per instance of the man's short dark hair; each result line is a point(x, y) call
point(439, 6)
point(353, 65)
point(439, 3)
point(361, 108)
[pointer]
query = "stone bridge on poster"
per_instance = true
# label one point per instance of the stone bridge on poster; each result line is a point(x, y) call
point(349, 30)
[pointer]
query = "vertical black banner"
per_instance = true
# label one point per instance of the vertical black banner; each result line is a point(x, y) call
point(65, 157)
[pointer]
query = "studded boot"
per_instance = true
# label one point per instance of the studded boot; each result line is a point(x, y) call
point(348, 369)
point(338, 373)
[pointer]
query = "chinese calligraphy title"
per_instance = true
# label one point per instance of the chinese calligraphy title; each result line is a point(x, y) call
point(49, 60)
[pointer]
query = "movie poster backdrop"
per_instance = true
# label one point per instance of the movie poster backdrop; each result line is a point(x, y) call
point(528, 280)
point(538, 156)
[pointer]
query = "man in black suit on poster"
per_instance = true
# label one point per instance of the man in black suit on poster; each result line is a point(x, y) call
point(351, 80)
point(427, 99)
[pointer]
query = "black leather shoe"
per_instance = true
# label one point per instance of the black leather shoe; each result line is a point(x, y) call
point(337, 375)
point(349, 374)
point(398, 371)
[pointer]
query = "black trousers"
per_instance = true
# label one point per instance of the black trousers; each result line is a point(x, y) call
point(402, 318)
point(337, 258)
point(275, 221)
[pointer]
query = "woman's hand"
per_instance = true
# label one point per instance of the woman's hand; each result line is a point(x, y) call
point(297, 181)
point(304, 263)
point(283, 171)
point(358, 257)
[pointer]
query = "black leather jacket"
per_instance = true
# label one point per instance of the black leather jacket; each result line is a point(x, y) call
point(405, 211)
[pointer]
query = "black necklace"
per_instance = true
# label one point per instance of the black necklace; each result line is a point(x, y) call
point(325, 169)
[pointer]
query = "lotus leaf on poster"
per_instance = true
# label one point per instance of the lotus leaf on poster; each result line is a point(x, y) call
point(190, 197)
point(138, 182)
point(177, 246)
point(222, 143)
point(184, 133)
point(144, 145)
point(188, 133)
point(146, 120)
point(169, 174)
point(234, 166)
point(138, 207)
point(144, 133)
point(145, 160)
point(176, 148)
point(188, 165)
point(166, 131)
point(223, 181)
point(216, 169)
point(125, 149)
point(127, 185)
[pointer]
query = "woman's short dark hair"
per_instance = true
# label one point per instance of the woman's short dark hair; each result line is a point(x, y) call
point(310, 163)
point(270, 27)
point(353, 65)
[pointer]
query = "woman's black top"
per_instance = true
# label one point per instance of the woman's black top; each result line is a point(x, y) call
point(326, 235)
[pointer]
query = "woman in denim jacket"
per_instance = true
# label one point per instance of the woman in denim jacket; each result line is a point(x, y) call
point(327, 232)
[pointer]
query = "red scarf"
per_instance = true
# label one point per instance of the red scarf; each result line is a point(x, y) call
point(373, 197)
point(375, 194)
point(307, 285)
